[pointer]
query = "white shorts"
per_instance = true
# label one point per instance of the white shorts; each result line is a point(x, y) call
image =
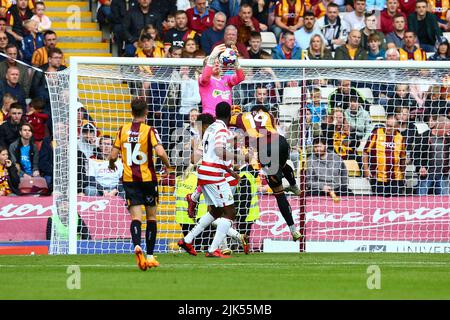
point(218, 195)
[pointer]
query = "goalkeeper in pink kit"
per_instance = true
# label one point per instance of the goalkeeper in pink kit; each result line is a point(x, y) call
point(214, 88)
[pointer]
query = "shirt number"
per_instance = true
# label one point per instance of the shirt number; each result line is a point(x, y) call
point(137, 157)
point(260, 117)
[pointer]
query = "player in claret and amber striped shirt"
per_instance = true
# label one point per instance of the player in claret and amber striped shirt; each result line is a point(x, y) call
point(136, 141)
point(273, 153)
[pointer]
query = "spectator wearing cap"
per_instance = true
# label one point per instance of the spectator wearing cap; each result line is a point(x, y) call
point(425, 26)
point(200, 18)
point(442, 51)
point(87, 142)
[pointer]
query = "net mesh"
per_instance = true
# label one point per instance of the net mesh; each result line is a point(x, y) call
point(379, 183)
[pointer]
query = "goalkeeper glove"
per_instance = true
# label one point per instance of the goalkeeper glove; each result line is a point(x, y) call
point(214, 54)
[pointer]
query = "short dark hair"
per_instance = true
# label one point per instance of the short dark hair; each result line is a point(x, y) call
point(145, 37)
point(374, 37)
point(3, 148)
point(138, 107)
point(287, 33)
point(259, 107)
point(205, 119)
point(26, 124)
point(173, 48)
point(11, 45)
point(15, 105)
point(255, 35)
point(398, 15)
point(318, 140)
point(37, 103)
point(424, 1)
point(49, 32)
point(223, 110)
point(332, 5)
point(105, 137)
point(53, 51)
point(354, 98)
point(309, 13)
point(180, 12)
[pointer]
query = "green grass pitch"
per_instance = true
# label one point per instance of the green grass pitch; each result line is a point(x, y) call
point(256, 276)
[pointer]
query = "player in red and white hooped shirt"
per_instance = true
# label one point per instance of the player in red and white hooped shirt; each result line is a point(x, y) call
point(211, 177)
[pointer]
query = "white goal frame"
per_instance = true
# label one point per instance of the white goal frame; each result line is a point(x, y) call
point(301, 65)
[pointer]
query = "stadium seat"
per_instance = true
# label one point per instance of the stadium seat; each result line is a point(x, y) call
point(421, 127)
point(292, 95)
point(359, 186)
point(325, 92)
point(447, 35)
point(287, 112)
point(366, 93)
point(352, 168)
point(377, 113)
point(268, 41)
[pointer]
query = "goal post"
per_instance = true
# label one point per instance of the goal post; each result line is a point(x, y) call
point(365, 219)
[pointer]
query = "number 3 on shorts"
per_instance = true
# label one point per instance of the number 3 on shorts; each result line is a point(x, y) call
point(137, 157)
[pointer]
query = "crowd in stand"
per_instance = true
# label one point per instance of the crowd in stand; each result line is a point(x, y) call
point(345, 29)
point(337, 129)
point(25, 118)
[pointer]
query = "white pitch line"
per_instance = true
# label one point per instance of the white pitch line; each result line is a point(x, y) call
point(226, 265)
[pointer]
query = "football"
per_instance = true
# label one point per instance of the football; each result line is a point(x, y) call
point(228, 57)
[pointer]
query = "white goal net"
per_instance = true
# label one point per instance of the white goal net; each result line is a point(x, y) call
point(370, 148)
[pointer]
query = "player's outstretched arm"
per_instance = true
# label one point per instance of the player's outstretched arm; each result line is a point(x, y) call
point(161, 153)
point(239, 75)
point(112, 159)
point(211, 60)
